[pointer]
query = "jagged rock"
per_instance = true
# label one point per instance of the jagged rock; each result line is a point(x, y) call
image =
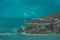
point(20, 30)
point(44, 25)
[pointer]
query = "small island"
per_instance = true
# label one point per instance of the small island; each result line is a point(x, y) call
point(43, 25)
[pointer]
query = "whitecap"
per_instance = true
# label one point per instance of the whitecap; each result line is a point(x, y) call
point(23, 33)
point(7, 34)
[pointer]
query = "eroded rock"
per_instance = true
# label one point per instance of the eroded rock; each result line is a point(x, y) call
point(48, 24)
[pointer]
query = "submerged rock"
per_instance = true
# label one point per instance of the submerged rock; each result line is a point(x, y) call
point(44, 25)
point(20, 30)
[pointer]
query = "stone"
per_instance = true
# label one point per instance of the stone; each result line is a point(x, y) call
point(34, 26)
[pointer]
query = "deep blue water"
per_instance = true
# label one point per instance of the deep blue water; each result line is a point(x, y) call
point(15, 13)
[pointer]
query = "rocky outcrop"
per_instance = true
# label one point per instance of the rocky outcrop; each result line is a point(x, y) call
point(44, 25)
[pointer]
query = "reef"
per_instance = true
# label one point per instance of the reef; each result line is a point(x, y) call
point(43, 25)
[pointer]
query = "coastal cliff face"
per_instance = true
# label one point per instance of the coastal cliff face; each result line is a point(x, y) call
point(44, 25)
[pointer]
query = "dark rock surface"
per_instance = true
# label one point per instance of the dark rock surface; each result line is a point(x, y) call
point(44, 25)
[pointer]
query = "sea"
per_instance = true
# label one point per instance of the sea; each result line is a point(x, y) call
point(9, 27)
point(14, 14)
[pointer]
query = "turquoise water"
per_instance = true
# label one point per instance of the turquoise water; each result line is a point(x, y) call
point(8, 31)
point(28, 8)
point(26, 37)
point(15, 13)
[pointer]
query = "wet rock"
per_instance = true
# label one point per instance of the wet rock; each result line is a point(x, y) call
point(48, 24)
point(20, 30)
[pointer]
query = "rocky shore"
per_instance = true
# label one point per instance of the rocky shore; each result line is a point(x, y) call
point(43, 25)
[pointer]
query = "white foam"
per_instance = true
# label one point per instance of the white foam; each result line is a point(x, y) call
point(7, 34)
point(25, 14)
point(22, 26)
point(34, 34)
point(24, 33)
point(15, 29)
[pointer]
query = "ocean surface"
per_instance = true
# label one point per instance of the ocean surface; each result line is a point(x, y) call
point(9, 26)
point(16, 13)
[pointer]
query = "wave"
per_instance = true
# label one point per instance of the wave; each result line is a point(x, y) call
point(7, 34)
point(23, 33)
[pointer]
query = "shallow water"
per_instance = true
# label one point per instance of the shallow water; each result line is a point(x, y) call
point(30, 37)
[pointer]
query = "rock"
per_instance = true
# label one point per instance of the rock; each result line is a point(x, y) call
point(34, 26)
point(20, 30)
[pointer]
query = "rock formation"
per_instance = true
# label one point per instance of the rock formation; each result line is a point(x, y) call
point(43, 25)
